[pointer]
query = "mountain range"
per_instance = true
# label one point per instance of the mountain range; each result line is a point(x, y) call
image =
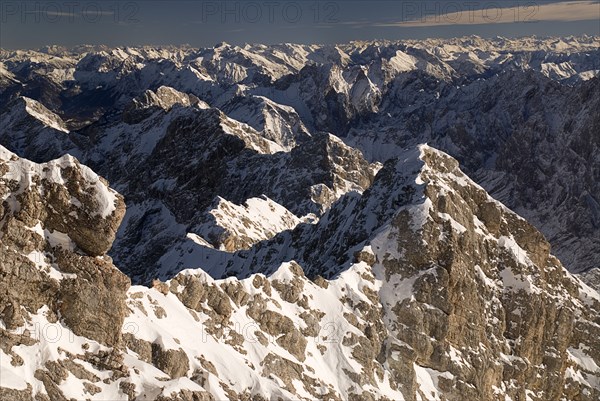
point(291, 222)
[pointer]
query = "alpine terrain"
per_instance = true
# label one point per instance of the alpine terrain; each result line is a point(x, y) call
point(400, 221)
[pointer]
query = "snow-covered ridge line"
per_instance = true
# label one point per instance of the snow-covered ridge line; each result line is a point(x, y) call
point(29, 175)
point(524, 43)
point(47, 117)
point(412, 184)
point(233, 227)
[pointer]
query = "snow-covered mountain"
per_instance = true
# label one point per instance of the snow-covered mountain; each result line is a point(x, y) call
point(30, 128)
point(444, 294)
point(519, 114)
point(288, 234)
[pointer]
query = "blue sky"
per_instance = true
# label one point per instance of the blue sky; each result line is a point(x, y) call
point(29, 24)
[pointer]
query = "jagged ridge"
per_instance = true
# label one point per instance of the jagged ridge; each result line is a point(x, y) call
point(449, 295)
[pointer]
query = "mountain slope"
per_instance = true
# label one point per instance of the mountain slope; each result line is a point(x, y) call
point(448, 295)
point(31, 129)
point(177, 162)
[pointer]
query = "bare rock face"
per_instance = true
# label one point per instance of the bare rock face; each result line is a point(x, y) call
point(92, 303)
point(175, 363)
point(91, 231)
point(57, 220)
point(488, 306)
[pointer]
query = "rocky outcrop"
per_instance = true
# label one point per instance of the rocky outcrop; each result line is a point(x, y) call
point(57, 286)
point(58, 220)
point(489, 306)
point(276, 122)
point(234, 227)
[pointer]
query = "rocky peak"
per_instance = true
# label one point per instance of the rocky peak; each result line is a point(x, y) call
point(36, 110)
point(232, 227)
point(57, 221)
point(31, 130)
point(278, 123)
point(485, 275)
point(344, 168)
point(164, 98)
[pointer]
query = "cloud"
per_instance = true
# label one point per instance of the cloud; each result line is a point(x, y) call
point(98, 12)
point(72, 14)
point(529, 12)
point(57, 13)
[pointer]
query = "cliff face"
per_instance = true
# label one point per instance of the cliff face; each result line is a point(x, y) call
point(57, 221)
point(434, 291)
point(492, 314)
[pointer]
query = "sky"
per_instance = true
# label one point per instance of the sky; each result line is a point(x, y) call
point(204, 23)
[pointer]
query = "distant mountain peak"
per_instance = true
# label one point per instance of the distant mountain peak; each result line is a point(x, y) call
point(39, 112)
